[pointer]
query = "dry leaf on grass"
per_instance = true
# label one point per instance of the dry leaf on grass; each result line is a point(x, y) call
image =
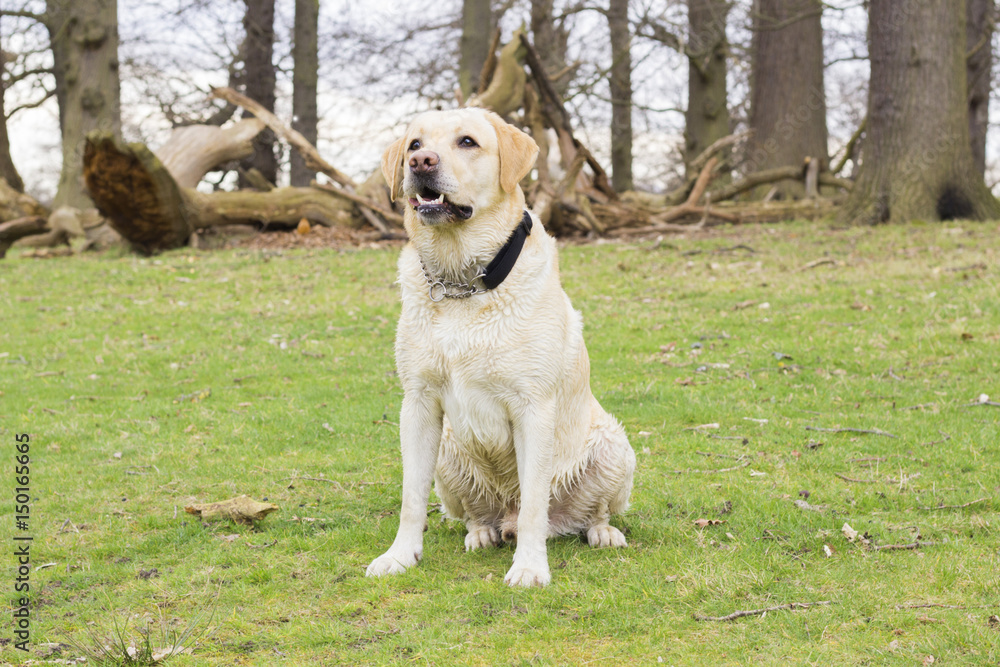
point(701, 523)
point(242, 509)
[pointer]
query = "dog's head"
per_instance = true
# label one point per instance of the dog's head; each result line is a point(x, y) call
point(451, 164)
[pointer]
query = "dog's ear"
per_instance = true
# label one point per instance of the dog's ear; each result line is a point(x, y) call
point(517, 152)
point(392, 166)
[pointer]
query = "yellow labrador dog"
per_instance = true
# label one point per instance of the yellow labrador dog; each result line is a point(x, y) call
point(497, 407)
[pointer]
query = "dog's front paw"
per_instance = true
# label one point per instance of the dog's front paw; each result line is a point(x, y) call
point(528, 574)
point(392, 562)
point(480, 536)
point(605, 536)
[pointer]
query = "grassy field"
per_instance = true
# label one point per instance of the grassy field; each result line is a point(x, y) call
point(147, 385)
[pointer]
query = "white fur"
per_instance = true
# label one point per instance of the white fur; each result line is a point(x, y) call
point(497, 404)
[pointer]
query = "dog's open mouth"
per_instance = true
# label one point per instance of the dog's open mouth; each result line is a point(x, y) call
point(431, 204)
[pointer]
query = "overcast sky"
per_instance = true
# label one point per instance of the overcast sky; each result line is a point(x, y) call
point(359, 120)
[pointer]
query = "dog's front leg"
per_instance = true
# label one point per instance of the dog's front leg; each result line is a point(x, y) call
point(420, 423)
point(533, 441)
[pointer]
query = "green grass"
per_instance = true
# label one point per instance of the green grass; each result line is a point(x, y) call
point(107, 361)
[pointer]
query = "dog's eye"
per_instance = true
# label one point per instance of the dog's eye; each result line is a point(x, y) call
point(467, 142)
point(415, 145)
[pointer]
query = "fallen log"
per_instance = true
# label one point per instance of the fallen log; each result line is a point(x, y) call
point(144, 203)
point(19, 228)
point(194, 150)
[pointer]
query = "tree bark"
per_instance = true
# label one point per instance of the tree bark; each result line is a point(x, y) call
point(787, 100)
point(143, 202)
point(477, 26)
point(980, 15)
point(550, 41)
point(707, 117)
point(305, 76)
point(258, 22)
point(84, 42)
point(620, 82)
point(917, 161)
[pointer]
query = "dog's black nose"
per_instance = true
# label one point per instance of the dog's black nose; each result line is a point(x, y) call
point(423, 162)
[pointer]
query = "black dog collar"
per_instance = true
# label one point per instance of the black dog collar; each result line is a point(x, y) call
point(498, 269)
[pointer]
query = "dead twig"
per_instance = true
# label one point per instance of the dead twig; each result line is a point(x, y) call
point(757, 612)
point(871, 431)
point(888, 480)
point(903, 547)
point(682, 472)
point(337, 484)
point(856, 481)
point(938, 442)
point(955, 507)
point(816, 262)
point(928, 605)
point(261, 546)
point(723, 456)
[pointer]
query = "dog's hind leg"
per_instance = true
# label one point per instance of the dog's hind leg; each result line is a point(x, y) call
point(602, 488)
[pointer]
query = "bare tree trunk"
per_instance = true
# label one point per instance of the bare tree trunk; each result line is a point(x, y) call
point(788, 104)
point(477, 26)
point(707, 116)
point(980, 15)
point(550, 42)
point(84, 38)
point(305, 53)
point(917, 160)
point(621, 96)
point(7, 169)
point(260, 77)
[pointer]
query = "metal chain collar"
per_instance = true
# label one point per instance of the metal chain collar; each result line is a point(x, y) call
point(438, 289)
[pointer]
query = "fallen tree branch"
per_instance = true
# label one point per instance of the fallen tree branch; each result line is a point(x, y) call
point(751, 181)
point(18, 228)
point(691, 205)
point(559, 120)
point(757, 612)
point(312, 157)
